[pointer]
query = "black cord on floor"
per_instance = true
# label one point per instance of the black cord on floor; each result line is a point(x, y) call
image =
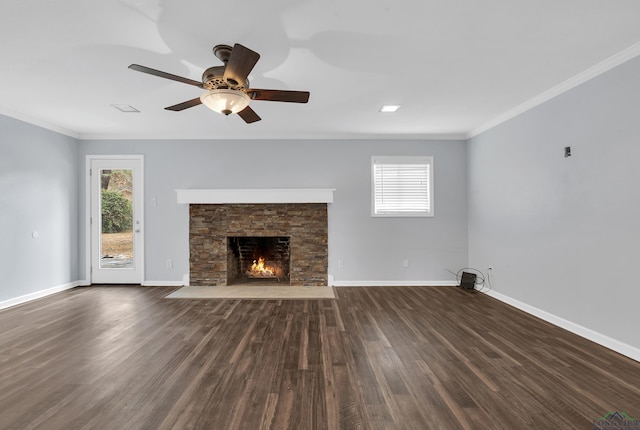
point(480, 277)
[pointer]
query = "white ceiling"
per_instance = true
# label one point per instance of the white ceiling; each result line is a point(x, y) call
point(456, 66)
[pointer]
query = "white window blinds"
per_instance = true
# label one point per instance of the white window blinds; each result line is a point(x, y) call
point(402, 186)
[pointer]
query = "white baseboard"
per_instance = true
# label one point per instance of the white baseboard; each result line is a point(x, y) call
point(594, 336)
point(394, 283)
point(38, 294)
point(162, 284)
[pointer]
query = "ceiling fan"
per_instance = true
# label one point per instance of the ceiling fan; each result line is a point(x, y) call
point(226, 87)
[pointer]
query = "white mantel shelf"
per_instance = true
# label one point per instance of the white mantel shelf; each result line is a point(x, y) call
point(224, 196)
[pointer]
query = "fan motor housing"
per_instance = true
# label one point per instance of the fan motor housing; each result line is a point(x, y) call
point(212, 79)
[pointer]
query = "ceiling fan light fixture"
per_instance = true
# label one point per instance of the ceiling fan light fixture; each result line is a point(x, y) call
point(225, 101)
point(227, 87)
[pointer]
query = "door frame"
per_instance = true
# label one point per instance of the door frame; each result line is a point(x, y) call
point(87, 219)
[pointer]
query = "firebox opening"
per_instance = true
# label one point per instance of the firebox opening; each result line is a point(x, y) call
point(258, 260)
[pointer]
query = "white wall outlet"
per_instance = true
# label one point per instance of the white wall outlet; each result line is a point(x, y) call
point(405, 263)
point(169, 264)
point(340, 264)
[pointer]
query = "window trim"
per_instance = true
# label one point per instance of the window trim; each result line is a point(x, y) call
point(403, 160)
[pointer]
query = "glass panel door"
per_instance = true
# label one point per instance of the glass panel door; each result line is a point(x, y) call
point(116, 204)
point(116, 216)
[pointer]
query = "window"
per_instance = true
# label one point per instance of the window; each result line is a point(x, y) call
point(402, 186)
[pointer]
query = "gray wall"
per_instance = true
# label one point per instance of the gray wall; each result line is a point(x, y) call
point(372, 249)
point(38, 193)
point(563, 233)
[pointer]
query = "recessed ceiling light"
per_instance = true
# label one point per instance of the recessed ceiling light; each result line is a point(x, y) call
point(125, 108)
point(389, 108)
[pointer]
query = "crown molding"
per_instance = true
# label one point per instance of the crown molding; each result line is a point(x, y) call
point(592, 72)
point(37, 122)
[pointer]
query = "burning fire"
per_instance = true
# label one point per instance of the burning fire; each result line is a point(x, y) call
point(259, 269)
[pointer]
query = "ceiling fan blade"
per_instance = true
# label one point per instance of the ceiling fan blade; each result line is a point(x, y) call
point(241, 62)
point(185, 105)
point(249, 115)
point(279, 95)
point(165, 75)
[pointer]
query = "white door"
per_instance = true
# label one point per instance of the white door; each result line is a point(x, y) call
point(117, 252)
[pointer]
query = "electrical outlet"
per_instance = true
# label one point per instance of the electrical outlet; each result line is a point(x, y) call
point(405, 263)
point(169, 264)
point(340, 264)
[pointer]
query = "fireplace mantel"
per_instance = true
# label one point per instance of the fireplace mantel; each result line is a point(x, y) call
point(230, 196)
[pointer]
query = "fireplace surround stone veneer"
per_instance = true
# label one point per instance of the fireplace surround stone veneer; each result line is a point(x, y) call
point(304, 223)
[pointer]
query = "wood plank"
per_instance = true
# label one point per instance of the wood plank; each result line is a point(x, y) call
point(117, 357)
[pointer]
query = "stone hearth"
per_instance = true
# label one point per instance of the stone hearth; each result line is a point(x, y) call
point(305, 224)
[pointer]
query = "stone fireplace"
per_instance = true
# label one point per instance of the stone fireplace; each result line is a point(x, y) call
point(231, 230)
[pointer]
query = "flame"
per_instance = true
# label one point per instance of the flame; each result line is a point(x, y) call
point(258, 268)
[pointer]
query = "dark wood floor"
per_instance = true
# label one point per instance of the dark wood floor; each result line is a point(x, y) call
point(377, 358)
